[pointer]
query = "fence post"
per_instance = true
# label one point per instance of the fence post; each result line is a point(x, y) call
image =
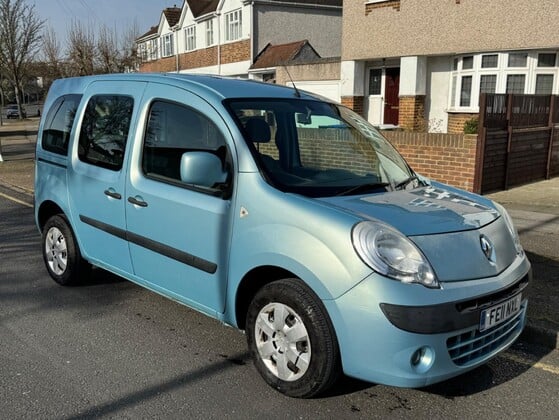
point(480, 146)
point(551, 125)
point(509, 139)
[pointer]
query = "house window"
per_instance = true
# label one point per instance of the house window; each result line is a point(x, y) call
point(518, 59)
point(546, 60)
point(233, 25)
point(466, 91)
point(468, 63)
point(209, 32)
point(488, 83)
point(544, 84)
point(190, 38)
point(489, 61)
point(152, 49)
point(375, 78)
point(522, 72)
point(516, 83)
point(167, 45)
point(143, 51)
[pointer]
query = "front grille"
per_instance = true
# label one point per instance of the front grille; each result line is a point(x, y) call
point(469, 347)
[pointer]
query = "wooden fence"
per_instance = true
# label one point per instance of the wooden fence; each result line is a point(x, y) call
point(518, 140)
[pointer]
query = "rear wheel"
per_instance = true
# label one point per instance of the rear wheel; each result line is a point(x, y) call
point(292, 340)
point(61, 253)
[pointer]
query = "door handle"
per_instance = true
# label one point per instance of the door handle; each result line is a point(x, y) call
point(113, 194)
point(137, 202)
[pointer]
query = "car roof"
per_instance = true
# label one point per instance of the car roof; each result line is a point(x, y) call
point(217, 86)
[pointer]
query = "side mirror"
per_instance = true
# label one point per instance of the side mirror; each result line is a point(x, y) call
point(202, 168)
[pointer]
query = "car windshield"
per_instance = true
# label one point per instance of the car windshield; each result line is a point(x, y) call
point(319, 149)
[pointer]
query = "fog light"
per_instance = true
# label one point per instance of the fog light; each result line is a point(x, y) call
point(422, 359)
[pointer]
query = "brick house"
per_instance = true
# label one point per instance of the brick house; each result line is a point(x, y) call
point(421, 64)
point(225, 36)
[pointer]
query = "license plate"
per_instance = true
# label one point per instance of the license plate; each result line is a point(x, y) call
point(500, 313)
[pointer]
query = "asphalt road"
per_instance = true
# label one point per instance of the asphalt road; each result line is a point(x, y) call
point(112, 349)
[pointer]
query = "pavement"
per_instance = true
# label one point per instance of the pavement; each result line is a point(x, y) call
point(534, 209)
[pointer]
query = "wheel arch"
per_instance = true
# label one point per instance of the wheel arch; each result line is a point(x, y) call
point(46, 210)
point(251, 283)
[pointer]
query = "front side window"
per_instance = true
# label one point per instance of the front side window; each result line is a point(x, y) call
point(104, 130)
point(175, 130)
point(318, 149)
point(190, 35)
point(58, 124)
point(546, 59)
point(488, 83)
point(233, 25)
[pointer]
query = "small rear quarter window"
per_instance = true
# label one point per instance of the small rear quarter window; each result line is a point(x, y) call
point(58, 124)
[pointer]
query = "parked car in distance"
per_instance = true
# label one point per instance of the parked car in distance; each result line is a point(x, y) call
point(12, 111)
point(283, 215)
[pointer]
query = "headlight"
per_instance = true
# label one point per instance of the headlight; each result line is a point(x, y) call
point(389, 252)
point(511, 228)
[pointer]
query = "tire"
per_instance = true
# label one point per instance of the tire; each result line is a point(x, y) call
point(61, 253)
point(291, 339)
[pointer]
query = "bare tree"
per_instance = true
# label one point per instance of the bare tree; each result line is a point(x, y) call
point(52, 56)
point(20, 37)
point(108, 52)
point(81, 49)
point(129, 48)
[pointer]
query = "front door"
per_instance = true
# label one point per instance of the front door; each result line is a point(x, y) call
point(391, 99)
point(179, 232)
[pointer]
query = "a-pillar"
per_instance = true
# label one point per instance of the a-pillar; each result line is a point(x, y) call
point(413, 86)
point(353, 85)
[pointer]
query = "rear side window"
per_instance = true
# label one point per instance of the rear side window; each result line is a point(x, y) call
point(58, 124)
point(104, 130)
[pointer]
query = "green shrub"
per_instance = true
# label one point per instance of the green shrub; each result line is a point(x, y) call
point(470, 126)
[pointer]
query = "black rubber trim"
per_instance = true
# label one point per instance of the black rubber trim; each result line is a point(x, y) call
point(173, 253)
point(119, 233)
point(167, 251)
point(447, 317)
point(50, 162)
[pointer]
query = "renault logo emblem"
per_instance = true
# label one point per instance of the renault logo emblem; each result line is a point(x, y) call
point(487, 248)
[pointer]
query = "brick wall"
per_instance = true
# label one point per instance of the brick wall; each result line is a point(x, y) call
point(456, 122)
point(167, 64)
point(200, 58)
point(395, 4)
point(411, 115)
point(448, 158)
point(230, 53)
point(235, 52)
point(354, 103)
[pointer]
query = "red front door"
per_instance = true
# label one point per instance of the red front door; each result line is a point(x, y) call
point(391, 100)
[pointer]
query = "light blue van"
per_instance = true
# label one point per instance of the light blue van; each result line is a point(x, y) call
point(283, 215)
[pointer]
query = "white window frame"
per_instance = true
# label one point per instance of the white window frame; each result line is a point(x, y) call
point(209, 31)
point(190, 38)
point(234, 25)
point(502, 71)
point(167, 45)
point(153, 51)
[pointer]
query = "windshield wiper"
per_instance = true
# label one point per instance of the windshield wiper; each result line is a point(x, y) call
point(405, 182)
point(363, 187)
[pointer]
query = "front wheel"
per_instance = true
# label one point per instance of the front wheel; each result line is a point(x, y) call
point(291, 339)
point(61, 253)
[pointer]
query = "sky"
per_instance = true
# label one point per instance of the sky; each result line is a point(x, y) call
point(119, 14)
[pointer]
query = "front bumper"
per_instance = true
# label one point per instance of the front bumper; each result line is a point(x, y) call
point(437, 336)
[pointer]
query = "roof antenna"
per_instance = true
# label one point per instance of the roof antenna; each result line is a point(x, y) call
point(297, 93)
